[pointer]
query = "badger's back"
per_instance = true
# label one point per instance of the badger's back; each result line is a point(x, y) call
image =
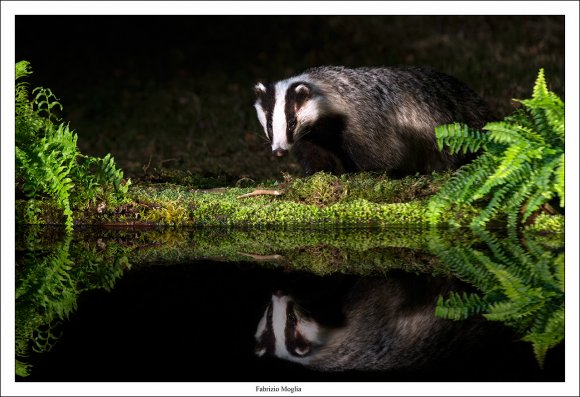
point(392, 92)
point(391, 113)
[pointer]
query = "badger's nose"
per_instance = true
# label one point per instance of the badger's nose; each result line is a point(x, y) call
point(280, 152)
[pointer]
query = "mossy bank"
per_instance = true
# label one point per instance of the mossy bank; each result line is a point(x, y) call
point(322, 200)
point(319, 201)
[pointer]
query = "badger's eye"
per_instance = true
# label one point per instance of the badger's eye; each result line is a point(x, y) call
point(291, 317)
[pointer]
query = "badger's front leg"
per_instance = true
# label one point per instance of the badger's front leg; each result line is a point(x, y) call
point(314, 158)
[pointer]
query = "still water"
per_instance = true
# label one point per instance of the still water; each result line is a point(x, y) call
point(189, 305)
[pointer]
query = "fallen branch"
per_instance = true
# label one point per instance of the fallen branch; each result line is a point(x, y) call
point(260, 192)
point(263, 257)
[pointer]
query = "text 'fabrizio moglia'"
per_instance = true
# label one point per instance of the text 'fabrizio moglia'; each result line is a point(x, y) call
point(283, 389)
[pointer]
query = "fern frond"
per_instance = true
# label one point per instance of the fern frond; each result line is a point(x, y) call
point(493, 207)
point(513, 169)
point(503, 311)
point(535, 202)
point(548, 117)
point(506, 133)
point(459, 138)
point(495, 245)
point(540, 269)
point(515, 157)
point(466, 264)
point(555, 115)
point(23, 69)
point(558, 270)
point(514, 204)
point(547, 110)
point(460, 307)
point(525, 299)
point(559, 180)
point(547, 335)
point(44, 101)
point(540, 90)
point(459, 190)
point(532, 265)
point(541, 186)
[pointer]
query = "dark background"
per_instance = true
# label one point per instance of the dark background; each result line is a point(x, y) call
point(175, 92)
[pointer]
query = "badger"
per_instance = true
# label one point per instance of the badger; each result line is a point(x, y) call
point(386, 324)
point(342, 120)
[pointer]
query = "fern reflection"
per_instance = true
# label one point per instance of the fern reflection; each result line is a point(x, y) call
point(520, 278)
point(51, 273)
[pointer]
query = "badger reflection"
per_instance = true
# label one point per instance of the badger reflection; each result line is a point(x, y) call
point(377, 324)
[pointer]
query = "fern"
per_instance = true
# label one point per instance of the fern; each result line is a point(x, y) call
point(461, 188)
point(49, 164)
point(546, 333)
point(493, 207)
point(523, 154)
point(460, 138)
point(460, 307)
point(521, 284)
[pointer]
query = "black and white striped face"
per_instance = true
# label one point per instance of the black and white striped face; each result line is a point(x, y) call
point(285, 332)
point(285, 109)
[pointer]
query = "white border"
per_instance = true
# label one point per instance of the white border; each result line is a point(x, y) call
point(289, 7)
point(10, 9)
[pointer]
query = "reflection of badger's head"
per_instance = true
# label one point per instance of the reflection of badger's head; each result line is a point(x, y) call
point(286, 331)
point(286, 110)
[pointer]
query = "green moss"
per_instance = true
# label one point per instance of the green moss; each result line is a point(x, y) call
point(324, 189)
point(319, 201)
point(380, 188)
point(320, 189)
point(545, 223)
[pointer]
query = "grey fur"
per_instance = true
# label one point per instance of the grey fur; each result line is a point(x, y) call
point(388, 324)
point(383, 119)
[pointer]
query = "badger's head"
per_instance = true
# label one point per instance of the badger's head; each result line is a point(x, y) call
point(287, 332)
point(286, 110)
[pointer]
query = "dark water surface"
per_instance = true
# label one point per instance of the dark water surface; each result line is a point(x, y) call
point(195, 320)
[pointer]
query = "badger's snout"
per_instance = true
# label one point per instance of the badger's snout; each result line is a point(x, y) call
point(280, 152)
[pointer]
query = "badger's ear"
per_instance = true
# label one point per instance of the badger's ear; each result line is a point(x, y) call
point(302, 350)
point(259, 350)
point(302, 91)
point(259, 89)
point(301, 347)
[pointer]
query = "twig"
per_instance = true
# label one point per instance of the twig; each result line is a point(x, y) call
point(549, 209)
point(263, 257)
point(259, 192)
